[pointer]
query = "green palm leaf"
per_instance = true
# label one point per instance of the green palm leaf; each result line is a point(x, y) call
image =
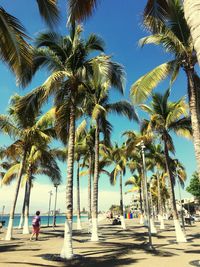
point(10, 174)
point(14, 50)
point(143, 87)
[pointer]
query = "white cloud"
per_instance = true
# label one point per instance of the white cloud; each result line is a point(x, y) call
point(40, 198)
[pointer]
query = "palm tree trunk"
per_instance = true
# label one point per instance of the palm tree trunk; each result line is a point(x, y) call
point(160, 204)
point(9, 233)
point(180, 236)
point(21, 222)
point(27, 202)
point(121, 202)
point(89, 188)
point(191, 10)
point(94, 236)
point(89, 194)
point(194, 104)
point(67, 250)
point(78, 199)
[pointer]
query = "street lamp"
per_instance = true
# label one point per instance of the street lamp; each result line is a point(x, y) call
point(146, 193)
point(50, 194)
point(56, 184)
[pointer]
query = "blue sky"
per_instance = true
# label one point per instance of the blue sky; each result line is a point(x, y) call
point(119, 24)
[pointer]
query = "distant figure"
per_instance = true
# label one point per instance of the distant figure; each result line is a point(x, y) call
point(36, 225)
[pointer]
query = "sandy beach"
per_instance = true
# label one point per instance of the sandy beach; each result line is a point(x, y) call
point(116, 247)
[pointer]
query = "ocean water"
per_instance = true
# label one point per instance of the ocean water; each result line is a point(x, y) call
point(44, 220)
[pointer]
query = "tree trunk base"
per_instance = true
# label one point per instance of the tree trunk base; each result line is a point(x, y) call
point(162, 224)
point(67, 249)
point(122, 222)
point(21, 223)
point(9, 234)
point(141, 219)
point(25, 227)
point(153, 228)
point(78, 224)
point(180, 235)
point(94, 236)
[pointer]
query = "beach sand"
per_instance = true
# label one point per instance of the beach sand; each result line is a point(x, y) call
point(116, 247)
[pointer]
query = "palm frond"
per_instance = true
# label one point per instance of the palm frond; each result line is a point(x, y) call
point(49, 11)
point(143, 87)
point(79, 10)
point(47, 120)
point(15, 51)
point(155, 11)
point(10, 174)
point(182, 127)
point(80, 130)
point(94, 42)
point(123, 108)
point(98, 109)
point(113, 175)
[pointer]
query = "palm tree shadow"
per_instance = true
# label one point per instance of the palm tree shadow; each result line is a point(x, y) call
point(108, 254)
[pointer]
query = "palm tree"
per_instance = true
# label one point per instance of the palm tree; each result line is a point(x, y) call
point(27, 131)
point(98, 107)
point(166, 117)
point(135, 182)
point(88, 161)
point(14, 49)
point(39, 161)
point(118, 156)
point(68, 59)
point(165, 19)
point(135, 162)
point(157, 156)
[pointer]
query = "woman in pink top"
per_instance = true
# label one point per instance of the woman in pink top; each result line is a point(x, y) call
point(36, 225)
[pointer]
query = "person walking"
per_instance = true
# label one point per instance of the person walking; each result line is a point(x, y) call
point(36, 225)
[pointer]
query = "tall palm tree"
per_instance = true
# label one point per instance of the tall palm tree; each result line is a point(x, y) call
point(135, 161)
point(118, 156)
point(165, 19)
point(26, 131)
point(88, 161)
point(166, 117)
point(71, 65)
point(135, 182)
point(39, 161)
point(155, 151)
point(98, 107)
